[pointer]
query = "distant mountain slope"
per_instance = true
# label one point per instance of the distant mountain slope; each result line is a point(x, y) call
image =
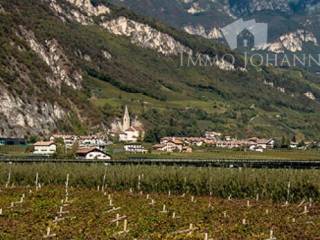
point(70, 65)
point(286, 19)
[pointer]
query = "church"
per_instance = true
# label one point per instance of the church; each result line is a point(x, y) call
point(128, 130)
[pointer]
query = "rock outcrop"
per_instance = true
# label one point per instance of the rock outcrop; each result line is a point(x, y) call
point(292, 42)
point(81, 11)
point(213, 33)
point(145, 36)
point(52, 54)
point(20, 117)
point(87, 7)
point(195, 9)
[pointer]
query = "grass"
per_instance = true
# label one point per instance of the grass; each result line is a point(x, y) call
point(15, 150)
point(293, 155)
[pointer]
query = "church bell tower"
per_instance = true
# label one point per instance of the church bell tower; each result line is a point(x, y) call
point(126, 119)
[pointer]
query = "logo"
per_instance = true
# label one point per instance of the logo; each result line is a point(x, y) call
point(246, 34)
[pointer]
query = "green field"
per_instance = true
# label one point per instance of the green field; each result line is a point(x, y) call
point(239, 183)
point(117, 153)
point(227, 154)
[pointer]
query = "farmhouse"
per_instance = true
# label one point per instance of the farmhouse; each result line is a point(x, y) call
point(44, 148)
point(261, 143)
point(92, 154)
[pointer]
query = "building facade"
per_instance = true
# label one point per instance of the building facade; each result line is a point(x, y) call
point(44, 148)
point(92, 154)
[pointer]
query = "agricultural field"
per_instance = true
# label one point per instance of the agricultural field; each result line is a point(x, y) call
point(73, 201)
point(92, 214)
point(290, 155)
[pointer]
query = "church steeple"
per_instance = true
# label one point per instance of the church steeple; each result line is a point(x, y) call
point(126, 119)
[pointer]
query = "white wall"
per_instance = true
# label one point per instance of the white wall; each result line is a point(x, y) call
point(97, 155)
point(45, 150)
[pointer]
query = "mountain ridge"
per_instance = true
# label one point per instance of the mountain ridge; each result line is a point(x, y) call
point(55, 48)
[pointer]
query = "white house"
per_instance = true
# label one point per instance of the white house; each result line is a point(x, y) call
point(213, 135)
point(44, 148)
point(130, 135)
point(92, 154)
point(92, 142)
point(293, 145)
point(172, 145)
point(135, 149)
point(262, 143)
point(68, 140)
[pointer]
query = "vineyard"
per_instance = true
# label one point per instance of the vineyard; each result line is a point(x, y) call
point(71, 201)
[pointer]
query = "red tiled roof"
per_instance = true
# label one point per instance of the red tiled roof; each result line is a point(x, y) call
point(84, 151)
point(43, 143)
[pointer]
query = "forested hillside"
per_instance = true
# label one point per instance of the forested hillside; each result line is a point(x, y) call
point(72, 65)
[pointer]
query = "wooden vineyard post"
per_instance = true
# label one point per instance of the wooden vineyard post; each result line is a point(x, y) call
point(164, 209)
point(271, 237)
point(37, 181)
point(49, 234)
point(104, 180)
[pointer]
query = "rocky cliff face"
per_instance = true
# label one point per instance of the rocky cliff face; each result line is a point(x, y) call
point(213, 33)
point(64, 61)
point(292, 42)
point(81, 11)
point(20, 117)
point(145, 36)
point(22, 110)
point(52, 54)
point(87, 7)
point(140, 34)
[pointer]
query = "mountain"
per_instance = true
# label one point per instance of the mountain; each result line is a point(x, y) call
point(71, 66)
point(293, 25)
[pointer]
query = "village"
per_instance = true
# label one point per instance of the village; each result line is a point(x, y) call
point(128, 136)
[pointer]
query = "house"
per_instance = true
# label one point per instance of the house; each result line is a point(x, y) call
point(135, 149)
point(83, 141)
point(232, 144)
point(211, 135)
point(187, 149)
point(262, 143)
point(169, 145)
point(256, 148)
point(293, 145)
point(92, 154)
point(130, 135)
point(68, 140)
point(45, 148)
point(92, 142)
point(228, 138)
